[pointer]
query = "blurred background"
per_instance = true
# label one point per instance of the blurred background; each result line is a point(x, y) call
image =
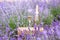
point(17, 13)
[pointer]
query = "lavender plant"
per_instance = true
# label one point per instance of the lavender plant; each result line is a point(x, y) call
point(23, 22)
point(55, 11)
point(48, 20)
point(12, 24)
point(12, 9)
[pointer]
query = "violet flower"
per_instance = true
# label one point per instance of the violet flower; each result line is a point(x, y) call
point(12, 39)
point(38, 38)
point(1, 38)
point(35, 26)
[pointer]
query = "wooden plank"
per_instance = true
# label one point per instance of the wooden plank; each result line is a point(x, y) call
point(25, 28)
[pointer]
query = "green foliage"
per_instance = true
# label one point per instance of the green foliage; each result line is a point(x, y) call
point(15, 19)
point(48, 20)
point(38, 22)
point(12, 23)
point(55, 11)
point(24, 22)
point(0, 22)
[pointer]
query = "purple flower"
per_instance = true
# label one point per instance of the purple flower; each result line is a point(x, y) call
point(38, 38)
point(28, 36)
point(5, 37)
point(35, 26)
point(1, 38)
point(19, 38)
point(7, 28)
point(12, 39)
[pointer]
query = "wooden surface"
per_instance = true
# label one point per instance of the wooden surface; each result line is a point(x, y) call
point(25, 28)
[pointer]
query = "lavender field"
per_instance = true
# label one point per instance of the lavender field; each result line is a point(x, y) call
point(29, 19)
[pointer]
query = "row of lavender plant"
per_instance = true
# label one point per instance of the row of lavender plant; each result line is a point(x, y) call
point(51, 32)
